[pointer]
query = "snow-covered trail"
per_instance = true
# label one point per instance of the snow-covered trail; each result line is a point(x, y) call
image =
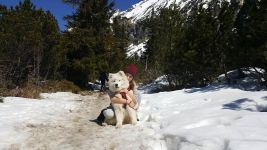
point(73, 131)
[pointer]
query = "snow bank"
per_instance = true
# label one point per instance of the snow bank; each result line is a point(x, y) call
point(211, 118)
point(17, 111)
point(155, 86)
point(248, 80)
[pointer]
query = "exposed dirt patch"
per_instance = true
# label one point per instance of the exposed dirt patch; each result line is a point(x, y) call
point(74, 131)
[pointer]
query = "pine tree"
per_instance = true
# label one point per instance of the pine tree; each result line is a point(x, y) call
point(73, 2)
point(152, 26)
point(224, 40)
point(2, 10)
point(53, 55)
point(199, 55)
point(190, 47)
point(251, 29)
point(24, 41)
point(91, 45)
point(119, 27)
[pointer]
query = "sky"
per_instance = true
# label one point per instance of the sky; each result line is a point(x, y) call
point(60, 9)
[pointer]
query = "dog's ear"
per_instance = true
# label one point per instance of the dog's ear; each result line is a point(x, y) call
point(121, 73)
point(110, 75)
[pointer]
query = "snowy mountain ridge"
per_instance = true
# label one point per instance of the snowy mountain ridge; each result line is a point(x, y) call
point(145, 8)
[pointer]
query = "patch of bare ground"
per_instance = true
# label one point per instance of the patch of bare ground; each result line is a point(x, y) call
point(74, 131)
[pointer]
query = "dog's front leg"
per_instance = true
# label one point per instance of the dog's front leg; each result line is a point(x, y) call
point(119, 118)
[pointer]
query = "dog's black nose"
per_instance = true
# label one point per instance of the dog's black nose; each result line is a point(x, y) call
point(116, 85)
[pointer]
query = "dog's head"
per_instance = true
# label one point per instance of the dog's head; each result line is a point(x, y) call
point(117, 81)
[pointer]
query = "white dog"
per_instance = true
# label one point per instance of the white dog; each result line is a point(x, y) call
point(123, 113)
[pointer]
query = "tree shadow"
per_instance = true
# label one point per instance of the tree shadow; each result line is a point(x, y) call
point(209, 88)
point(264, 97)
point(237, 104)
point(219, 86)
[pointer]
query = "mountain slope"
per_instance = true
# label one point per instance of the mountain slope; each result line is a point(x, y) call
point(143, 10)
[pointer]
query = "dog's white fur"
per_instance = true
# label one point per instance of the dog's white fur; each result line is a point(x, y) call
point(117, 82)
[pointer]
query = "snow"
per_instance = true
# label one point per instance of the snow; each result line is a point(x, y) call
point(154, 86)
point(16, 111)
point(211, 118)
point(94, 86)
point(249, 80)
point(208, 118)
point(144, 8)
point(136, 49)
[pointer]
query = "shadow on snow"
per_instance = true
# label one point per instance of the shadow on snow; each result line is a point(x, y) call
point(239, 104)
point(246, 104)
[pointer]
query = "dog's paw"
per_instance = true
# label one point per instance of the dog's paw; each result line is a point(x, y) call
point(104, 124)
point(118, 126)
point(134, 122)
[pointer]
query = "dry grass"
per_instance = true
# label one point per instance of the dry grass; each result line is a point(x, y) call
point(63, 85)
point(85, 93)
point(31, 90)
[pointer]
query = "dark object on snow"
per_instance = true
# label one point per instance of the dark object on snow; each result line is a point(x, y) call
point(1, 100)
point(96, 121)
point(100, 119)
point(103, 78)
